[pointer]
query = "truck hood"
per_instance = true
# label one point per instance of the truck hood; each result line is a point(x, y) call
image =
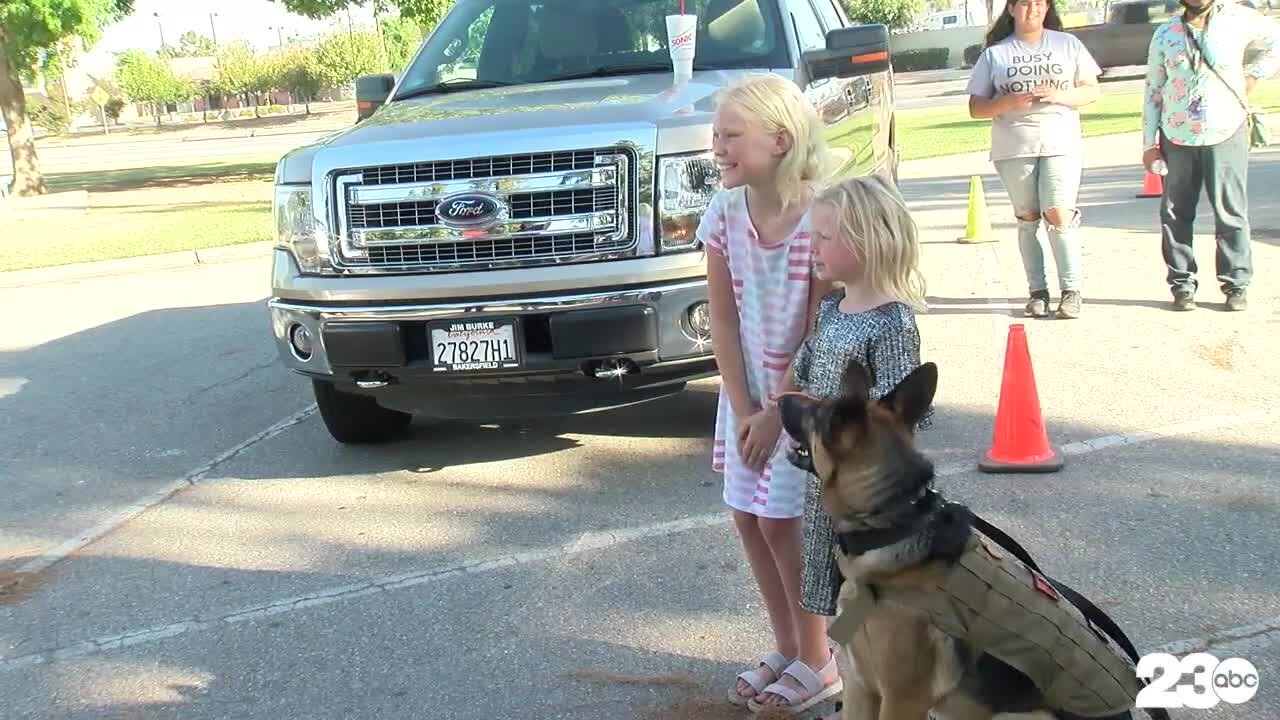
point(650, 98)
point(648, 110)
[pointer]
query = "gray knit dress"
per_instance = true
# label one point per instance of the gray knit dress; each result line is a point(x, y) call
point(886, 341)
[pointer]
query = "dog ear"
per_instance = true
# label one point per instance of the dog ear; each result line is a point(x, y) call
point(840, 422)
point(856, 383)
point(910, 400)
point(843, 417)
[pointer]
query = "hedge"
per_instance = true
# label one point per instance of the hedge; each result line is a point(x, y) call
point(922, 59)
point(971, 55)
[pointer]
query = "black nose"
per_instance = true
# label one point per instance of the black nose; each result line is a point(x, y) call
point(794, 408)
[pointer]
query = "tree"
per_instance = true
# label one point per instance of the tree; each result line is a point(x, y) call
point(342, 57)
point(295, 70)
point(26, 28)
point(193, 44)
point(402, 36)
point(427, 13)
point(892, 13)
point(149, 79)
point(240, 71)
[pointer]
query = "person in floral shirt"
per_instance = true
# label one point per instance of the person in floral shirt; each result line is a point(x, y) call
point(1203, 147)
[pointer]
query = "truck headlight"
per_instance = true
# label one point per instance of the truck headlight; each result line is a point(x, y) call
point(296, 228)
point(685, 186)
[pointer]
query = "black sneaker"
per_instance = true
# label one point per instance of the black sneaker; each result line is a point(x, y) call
point(1236, 300)
point(1039, 304)
point(1069, 305)
point(1184, 300)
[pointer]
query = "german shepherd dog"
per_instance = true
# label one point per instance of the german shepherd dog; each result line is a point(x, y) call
point(873, 480)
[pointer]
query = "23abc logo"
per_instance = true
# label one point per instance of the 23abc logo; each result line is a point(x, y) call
point(1234, 680)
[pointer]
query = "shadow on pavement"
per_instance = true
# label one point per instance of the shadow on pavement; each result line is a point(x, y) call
point(1172, 539)
point(99, 418)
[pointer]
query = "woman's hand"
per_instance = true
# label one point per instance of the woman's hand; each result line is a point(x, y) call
point(1018, 101)
point(758, 437)
point(1149, 158)
point(1045, 93)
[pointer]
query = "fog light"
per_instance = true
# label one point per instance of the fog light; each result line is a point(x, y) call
point(700, 319)
point(300, 340)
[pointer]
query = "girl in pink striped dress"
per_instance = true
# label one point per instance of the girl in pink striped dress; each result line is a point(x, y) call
point(768, 144)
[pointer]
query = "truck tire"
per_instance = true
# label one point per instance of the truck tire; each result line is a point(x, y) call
point(356, 419)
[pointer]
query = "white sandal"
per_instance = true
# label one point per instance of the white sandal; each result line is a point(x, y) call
point(773, 660)
point(814, 691)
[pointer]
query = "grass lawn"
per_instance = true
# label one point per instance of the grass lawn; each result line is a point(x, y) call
point(931, 133)
point(58, 237)
point(141, 211)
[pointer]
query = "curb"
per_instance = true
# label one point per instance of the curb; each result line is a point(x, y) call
point(142, 263)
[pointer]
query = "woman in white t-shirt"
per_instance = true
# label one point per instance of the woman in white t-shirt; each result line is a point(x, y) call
point(1030, 81)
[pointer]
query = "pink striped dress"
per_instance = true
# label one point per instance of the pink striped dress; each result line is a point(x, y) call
point(771, 286)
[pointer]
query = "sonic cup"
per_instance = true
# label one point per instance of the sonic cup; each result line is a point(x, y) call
point(682, 35)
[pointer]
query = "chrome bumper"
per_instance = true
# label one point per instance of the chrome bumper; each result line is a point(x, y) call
point(665, 307)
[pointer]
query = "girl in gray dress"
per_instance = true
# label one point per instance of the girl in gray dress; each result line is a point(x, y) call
point(865, 244)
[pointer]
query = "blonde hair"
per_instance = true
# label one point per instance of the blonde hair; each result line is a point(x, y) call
point(873, 221)
point(776, 104)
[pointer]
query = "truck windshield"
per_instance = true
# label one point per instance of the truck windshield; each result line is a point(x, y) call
point(502, 42)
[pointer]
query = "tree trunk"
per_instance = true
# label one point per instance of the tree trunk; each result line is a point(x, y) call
point(27, 179)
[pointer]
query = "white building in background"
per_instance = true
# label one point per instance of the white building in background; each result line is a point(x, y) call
point(964, 14)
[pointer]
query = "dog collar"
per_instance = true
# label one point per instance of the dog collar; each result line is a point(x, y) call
point(857, 542)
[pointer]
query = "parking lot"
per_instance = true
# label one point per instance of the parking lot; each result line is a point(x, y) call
point(192, 543)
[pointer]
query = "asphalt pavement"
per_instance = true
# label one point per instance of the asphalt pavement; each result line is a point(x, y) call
point(202, 549)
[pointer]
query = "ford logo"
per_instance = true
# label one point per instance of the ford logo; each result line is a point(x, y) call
point(470, 210)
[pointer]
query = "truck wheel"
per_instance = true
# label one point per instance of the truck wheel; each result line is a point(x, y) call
point(356, 419)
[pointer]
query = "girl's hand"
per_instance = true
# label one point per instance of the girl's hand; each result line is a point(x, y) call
point(1044, 93)
point(1020, 101)
point(758, 437)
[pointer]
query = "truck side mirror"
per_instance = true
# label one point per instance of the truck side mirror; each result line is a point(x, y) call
point(371, 92)
point(851, 51)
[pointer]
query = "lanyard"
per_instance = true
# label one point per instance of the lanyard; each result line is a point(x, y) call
point(1195, 48)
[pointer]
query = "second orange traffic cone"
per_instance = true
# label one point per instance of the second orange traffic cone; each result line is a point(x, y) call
point(1152, 186)
point(1020, 442)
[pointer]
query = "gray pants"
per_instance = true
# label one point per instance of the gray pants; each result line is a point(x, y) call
point(1222, 171)
point(1035, 185)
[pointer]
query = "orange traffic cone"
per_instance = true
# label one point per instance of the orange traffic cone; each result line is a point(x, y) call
point(1020, 442)
point(1152, 186)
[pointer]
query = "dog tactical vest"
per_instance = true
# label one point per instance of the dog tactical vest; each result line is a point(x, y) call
point(1002, 607)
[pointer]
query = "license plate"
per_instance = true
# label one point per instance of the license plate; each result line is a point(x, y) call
point(466, 345)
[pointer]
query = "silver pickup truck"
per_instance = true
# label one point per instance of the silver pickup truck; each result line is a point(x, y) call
point(1123, 40)
point(509, 228)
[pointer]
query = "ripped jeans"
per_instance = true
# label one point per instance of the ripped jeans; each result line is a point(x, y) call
point(1035, 185)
